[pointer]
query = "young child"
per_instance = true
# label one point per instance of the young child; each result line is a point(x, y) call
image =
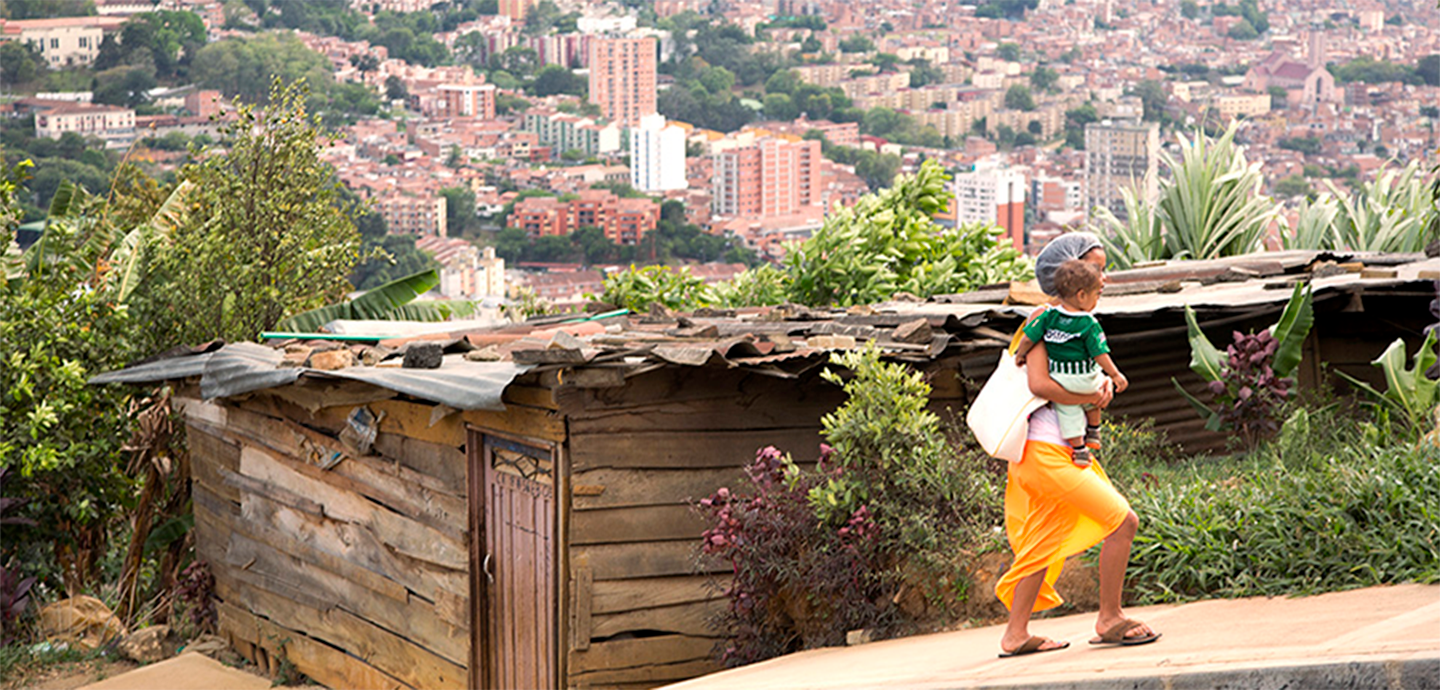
point(1078, 353)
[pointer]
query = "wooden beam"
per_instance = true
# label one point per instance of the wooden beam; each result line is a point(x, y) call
point(445, 463)
point(320, 662)
point(618, 488)
point(633, 653)
point(647, 676)
point(646, 559)
point(519, 420)
point(677, 450)
point(406, 536)
point(614, 596)
point(635, 524)
point(693, 618)
point(386, 651)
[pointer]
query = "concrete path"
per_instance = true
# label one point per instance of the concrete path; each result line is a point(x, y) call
point(1382, 637)
point(190, 671)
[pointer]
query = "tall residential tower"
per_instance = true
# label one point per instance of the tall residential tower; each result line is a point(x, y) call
point(1118, 156)
point(622, 78)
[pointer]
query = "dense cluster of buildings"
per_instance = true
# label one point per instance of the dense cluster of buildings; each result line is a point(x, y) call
point(771, 181)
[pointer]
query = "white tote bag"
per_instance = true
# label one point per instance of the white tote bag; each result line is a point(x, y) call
point(1000, 415)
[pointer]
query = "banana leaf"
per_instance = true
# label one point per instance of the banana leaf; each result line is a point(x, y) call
point(381, 304)
point(1212, 418)
point(1408, 390)
point(1291, 330)
point(1205, 360)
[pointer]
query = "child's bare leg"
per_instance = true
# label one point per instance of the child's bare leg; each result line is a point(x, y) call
point(1092, 417)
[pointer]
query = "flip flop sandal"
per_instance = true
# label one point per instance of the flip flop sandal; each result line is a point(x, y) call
point(1033, 646)
point(1116, 634)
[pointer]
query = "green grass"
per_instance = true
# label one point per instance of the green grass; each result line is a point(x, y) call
point(1317, 509)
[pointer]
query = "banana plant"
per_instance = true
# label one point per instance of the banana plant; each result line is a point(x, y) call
point(393, 301)
point(1212, 364)
point(1408, 392)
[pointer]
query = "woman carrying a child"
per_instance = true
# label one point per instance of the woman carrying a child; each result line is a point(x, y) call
point(1056, 508)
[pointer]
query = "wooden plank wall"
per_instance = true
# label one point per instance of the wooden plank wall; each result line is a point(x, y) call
point(640, 455)
point(358, 575)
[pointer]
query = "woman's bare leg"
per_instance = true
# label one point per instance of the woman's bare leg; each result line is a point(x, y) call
point(1017, 630)
point(1114, 557)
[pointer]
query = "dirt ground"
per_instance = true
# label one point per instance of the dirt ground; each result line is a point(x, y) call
point(76, 674)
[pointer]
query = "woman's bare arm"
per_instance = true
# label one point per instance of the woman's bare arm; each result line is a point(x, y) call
point(1037, 368)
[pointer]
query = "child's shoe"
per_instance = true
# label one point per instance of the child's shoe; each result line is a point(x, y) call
point(1080, 456)
point(1092, 437)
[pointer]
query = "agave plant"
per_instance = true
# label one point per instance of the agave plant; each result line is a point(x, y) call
point(1315, 226)
point(1211, 207)
point(1388, 215)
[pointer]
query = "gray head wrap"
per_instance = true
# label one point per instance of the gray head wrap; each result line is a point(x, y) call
point(1071, 245)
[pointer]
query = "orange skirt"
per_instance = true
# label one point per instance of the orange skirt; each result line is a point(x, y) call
point(1053, 510)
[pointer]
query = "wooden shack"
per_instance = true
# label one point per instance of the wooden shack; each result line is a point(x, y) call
point(383, 527)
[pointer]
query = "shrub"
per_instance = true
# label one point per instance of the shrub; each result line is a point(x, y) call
point(869, 538)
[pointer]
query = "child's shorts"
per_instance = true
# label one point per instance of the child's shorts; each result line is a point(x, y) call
point(1072, 417)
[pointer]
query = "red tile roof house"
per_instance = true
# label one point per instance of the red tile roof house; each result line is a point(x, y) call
point(520, 515)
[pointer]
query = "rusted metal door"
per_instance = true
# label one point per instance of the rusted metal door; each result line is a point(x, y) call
point(516, 577)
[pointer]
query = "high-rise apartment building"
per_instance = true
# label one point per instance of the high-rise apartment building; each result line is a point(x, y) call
point(469, 100)
point(992, 193)
point(622, 78)
point(1119, 156)
point(514, 9)
point(657, 155)
point(767, 177)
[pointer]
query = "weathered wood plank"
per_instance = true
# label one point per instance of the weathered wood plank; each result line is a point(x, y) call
point(645, 676)
point(682, 619)
point(445, 463)
point(532, 396)
point(207, 443)
point(408, 616)
point(321, 663)
point(314, 394)
point(197, 410)
point(353, 543)
point(206, 465)
point(520, 420)
point(582, 586)
point(617, 488)
point(689, 385)
point(733, 414)
point(662, 449)
point(646, 559)
point(387, 652)
point(635, 524)
point(613, 655)
point(613, 596)
point(403, 534)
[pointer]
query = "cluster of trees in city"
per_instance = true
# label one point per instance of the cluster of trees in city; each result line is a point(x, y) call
point(675, 239)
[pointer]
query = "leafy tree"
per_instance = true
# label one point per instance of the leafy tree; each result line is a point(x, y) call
point(1154, 99)
point(856, 43)
point(778, 106)
point(1018, 98)
point(1368, 70)
point(267, 237)
point(1309, 146)
point(395, 89)
point(888, 242)
point(1292, 186)
point(554, 79)
point(244, 67)
point(124, 86)
point(508, 103)
point(1243, 31)
point(164, 39)
point(46, 9)
point(459, 210)
point(1428, 69)
point(1279, 97)
point(1188, 9)
point(885, 62)
point(922, 73)
point(1009, 52)
point(20, 62)
point(1044, 78)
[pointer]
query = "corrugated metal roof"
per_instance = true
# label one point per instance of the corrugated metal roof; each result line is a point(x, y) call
point(242, 368)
